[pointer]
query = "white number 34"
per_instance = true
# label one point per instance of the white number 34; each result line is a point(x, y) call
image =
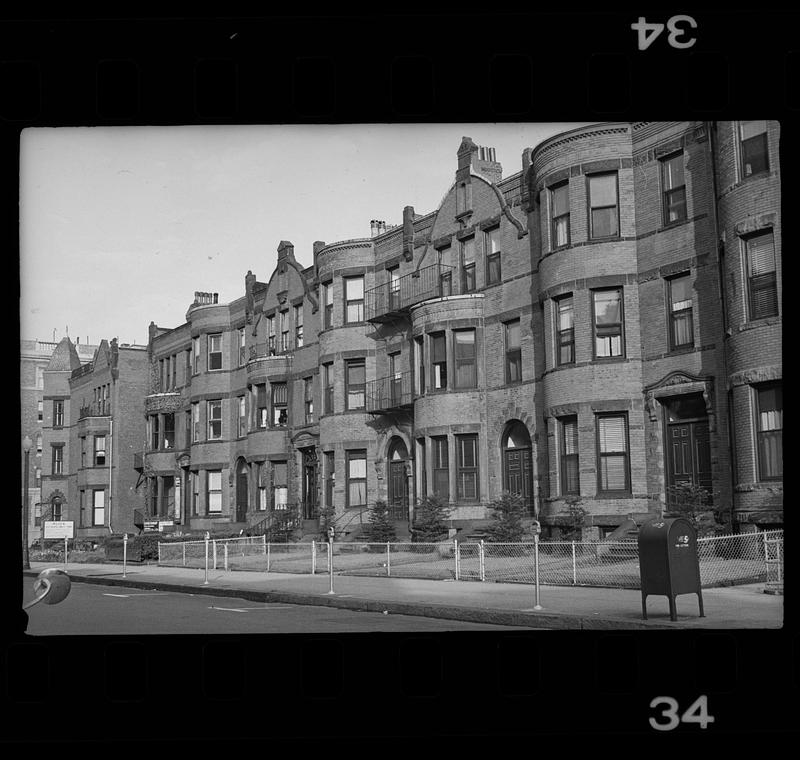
point(697, 712)
point(649, 32)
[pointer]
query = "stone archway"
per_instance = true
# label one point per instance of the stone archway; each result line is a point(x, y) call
point(517, 462)
point(242, 489)
point(397, 465)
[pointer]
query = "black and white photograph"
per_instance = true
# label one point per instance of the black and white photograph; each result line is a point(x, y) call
point(364, 372)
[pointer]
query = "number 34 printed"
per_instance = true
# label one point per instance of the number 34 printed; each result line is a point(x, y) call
point(677, 35)
point(668, 720)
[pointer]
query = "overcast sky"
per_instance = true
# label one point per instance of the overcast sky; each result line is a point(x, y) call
point(121, 225)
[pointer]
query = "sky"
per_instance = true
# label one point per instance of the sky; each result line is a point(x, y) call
point(119, 226)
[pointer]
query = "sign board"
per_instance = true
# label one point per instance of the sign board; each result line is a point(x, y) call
point(165, 523)
point(59, 529)
point(151, 524)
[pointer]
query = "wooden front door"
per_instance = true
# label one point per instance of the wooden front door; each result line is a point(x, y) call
point(398, 490)
point(688, 455)
point(518, 474)
point(309, 484)
point(241, 494)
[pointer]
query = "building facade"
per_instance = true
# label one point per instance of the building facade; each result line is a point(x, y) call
point(92, 428)
point(596, 329)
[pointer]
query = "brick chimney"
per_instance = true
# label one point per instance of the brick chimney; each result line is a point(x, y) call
point(377, 227)
point(478, 159)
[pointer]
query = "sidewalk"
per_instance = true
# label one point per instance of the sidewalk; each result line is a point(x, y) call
point(563, 607)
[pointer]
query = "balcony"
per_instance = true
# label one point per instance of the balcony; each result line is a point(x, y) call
point(138, 461)
point(96, 409)
point(390, 394)
point(81, 371)
point(393, 299)
point(264, 362)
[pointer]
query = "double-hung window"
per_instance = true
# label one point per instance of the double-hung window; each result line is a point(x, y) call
point(394, 288)
point(613, 467)
point(445, 272)
point(570, 483)
point(99, 450)
point(565, 330)
point(271, 349)
point(438, 360)
point(465, 358)
point(195, 355)
point(356, 478)
point(769, 430)
point(673, 186)
point(327, 390)
point(284, 315)
point(196, 421)
point(329, 472)
point(261, 503)
point(604, 216)
point(58, 414)
point(155, 432)
point(169, 430)
point(242, 347)
point(308, 399)
point(215, 351)
point(755, 151)
point(280, 408)
point(681, 324)
point(513, 352)
point(441, 467)
point(214, 411)
point(354, 300)
point(327, 301)
point(280, 488)
point(468, 265)
point(419, 351)
point(58, 459)
point(214, 490)
point(242, 416)
point(355, 378)
point(98, 507)
point(467, 467)
point(608, 325)
point(298, 326)
point(762, 286)
point(492, 246)
point(559, 204)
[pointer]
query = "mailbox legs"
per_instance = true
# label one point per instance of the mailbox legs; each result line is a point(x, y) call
point(673, 612)
point(644, 606)
point(700, 601)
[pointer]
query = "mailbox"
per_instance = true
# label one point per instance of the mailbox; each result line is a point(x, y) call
point(668, 563)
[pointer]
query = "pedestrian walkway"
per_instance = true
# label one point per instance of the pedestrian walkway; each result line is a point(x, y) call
point(562, 607)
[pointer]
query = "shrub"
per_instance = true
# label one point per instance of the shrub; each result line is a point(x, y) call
point(380, 527)
point(693, 502)
point(430, 520)
point(507, 514)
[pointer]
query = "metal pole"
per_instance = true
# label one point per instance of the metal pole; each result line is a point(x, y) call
point(313, 557)
point(388, 559)
point(225, 558)
point(205, 582)
point(536, 606)
point(66, 549)
point(574, 567)
point(482, 560)
point(214, 547)
point(267, 557)
point(125, 553)
point(330, 565)
point(456, 553)
point(264, 542)
point(183, 545)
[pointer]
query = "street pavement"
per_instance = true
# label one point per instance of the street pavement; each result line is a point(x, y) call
point(562, 607)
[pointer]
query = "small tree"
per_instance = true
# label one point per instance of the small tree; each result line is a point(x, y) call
point(430, 520)
point(326, 519)
point(572, 523)
point(381, 527)
point(693, 502)
point(507, 514)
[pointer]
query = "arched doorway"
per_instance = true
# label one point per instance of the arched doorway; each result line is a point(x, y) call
point(517, 462)
point(242, 491)
point(397, 457)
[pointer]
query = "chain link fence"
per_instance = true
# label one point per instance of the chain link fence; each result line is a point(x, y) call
point(724, 560)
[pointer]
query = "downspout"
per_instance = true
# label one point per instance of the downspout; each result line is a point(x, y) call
point(110, 467)
point(710, 126)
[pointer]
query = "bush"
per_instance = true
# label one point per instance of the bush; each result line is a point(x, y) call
point(380, 528)
point(507, 514)
point(430, 520)
point(693, 502)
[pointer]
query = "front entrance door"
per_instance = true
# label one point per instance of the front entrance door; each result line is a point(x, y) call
point(517, 467)
point(241, 493)
point(398, 490)
point(309, 484)
point(688, 445)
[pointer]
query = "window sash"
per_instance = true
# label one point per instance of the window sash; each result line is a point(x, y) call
point(446, 284)
point(354, 299)
point(441, 467)
point(356, 479)
point(608, 323)
point(769, 431)
point(98, 507)
point(467, 473)
point(169, 431)
point(214, 490)
point(196, 421)
point(214, 412)
point(99, 450)
point(493, 269)
point(570, 482)
point(612, 453)
point(465, 358)
point(755, 148)
point(355, 379)
point(214, 352)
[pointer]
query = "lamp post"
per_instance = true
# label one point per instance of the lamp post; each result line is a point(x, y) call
point(27, 444)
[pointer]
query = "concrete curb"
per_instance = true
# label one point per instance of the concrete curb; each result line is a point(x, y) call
point(548, 620)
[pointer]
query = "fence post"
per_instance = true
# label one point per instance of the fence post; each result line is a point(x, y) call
point(183, 543)
point(537, 606)
point(574, 567)
point(267, 556)
point(214, 542)
point(205, 582)
point(457, 555)
point(482, 560)
point(225, 559)
point(313, 557)
point(264, 542)
point(388, 559)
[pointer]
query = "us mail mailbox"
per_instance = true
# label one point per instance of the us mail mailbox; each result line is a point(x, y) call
point(668, 563)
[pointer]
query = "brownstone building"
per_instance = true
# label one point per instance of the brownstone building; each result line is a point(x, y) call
point(594, 329)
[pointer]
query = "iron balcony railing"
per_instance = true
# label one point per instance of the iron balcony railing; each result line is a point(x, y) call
point(390, 300)
point(96, 409)
point(84, 370)
point(389, 394)
point(265, 350)
point(279, 522)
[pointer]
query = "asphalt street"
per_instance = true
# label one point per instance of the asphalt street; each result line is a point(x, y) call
point(96, 609)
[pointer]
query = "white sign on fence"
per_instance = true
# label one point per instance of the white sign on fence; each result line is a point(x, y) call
point(59, 529)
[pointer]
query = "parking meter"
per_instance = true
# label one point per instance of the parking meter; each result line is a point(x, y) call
point(51, 586)
point(331, 533)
